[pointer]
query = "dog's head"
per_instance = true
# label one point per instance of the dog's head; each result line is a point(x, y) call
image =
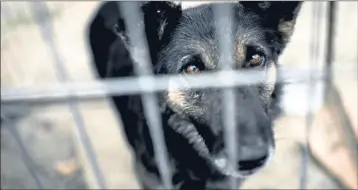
point(260, 33)
point(183, 42)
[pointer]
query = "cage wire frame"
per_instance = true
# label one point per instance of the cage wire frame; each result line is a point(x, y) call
point(146, 85)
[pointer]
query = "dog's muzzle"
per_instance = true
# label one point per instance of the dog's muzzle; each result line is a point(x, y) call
point(220, 162)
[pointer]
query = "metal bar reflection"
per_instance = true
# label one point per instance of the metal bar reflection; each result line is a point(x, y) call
point(131, 85)
point(314, 55)
point(223, 32)
point(140, 54)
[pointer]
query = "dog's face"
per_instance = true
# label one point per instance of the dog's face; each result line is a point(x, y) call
point(183, 42)
point(194, 49)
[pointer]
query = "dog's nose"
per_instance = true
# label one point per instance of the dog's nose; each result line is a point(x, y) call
point(252, 164)
point(252, 157)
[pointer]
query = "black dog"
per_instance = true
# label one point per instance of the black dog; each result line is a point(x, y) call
point(183, 42)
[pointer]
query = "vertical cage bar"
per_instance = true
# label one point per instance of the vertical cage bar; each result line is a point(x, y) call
point(140, 54)
point(223, 32)
point(314, 55)
point(330, 92)
point(330, 45)
point(41, 14)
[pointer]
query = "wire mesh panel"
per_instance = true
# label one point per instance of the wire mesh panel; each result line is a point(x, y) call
point(147, 85)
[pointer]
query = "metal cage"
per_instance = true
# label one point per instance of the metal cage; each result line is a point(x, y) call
point(71, 93)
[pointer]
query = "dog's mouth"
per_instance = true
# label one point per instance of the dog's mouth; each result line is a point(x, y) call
point(220, 163)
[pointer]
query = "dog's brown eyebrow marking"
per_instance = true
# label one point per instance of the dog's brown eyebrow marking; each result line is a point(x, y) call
point(240, 51)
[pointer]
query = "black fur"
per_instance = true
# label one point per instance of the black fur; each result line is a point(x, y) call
point(177, 38)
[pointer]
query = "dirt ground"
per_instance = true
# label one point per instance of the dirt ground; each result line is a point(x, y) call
point(48, 133)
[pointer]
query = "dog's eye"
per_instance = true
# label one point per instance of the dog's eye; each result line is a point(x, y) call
point(254, 57)
point(192, 69)
point(256, 60)
point(193, 65)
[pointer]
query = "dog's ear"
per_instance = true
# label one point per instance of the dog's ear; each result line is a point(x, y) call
point(107, 31)
point(279, 16)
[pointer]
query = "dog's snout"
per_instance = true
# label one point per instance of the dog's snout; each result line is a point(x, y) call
point(254, 135)
point(253, 146)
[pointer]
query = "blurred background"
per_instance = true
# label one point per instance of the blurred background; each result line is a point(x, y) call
point(39, 143)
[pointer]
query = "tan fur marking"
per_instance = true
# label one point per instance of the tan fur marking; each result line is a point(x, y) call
point(177, 101)
point(176, 98)
point(269, 85)
point(271, 77)
point(205, 52)
point(240, 52)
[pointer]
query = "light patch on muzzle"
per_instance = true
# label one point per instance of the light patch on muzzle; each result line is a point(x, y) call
point(182, 101)
point(175, 96)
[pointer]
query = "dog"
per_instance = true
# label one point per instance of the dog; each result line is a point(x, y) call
point(183, 42)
